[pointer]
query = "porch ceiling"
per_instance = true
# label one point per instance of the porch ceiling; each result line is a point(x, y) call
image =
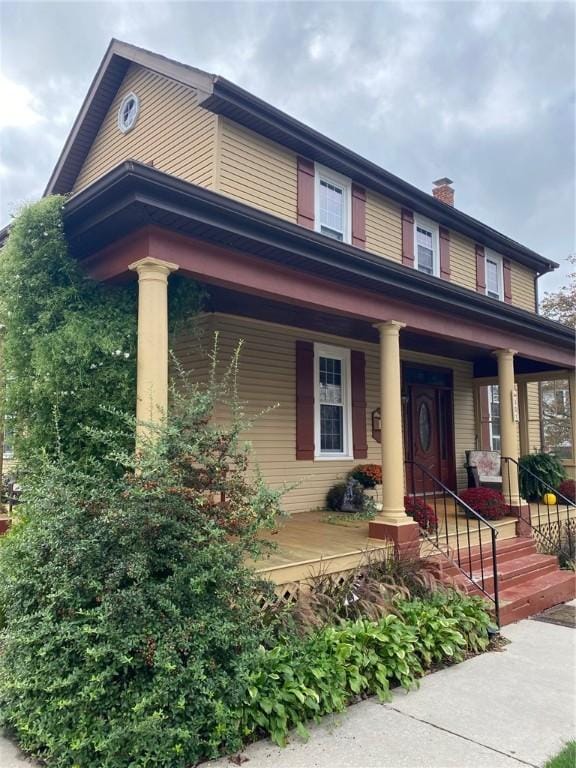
point(235, 303)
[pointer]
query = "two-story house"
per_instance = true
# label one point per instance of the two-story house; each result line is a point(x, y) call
point(374, 314)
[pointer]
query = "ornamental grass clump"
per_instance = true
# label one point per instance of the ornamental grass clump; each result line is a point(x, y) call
point(131, 624)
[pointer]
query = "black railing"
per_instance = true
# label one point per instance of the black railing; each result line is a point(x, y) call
point(455, 536)
point(555, 526)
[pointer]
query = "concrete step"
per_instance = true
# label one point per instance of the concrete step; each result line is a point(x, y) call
point(536, 595)
point(510, 573)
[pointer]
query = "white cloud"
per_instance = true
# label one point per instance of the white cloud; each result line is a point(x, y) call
point(20, 109)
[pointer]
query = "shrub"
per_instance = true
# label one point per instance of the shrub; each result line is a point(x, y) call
point(368, 475)
point(421, 512)
point(536, 470)
point(335, 496)
point(298, 682)
point(131, 622)
point(488, 502)
point(568, 489)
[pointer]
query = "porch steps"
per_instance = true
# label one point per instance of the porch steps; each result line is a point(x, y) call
point(528, 582)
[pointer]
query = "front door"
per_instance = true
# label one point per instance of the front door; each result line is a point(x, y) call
point(428, 431)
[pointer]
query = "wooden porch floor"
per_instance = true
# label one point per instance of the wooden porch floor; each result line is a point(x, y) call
point(310, 542)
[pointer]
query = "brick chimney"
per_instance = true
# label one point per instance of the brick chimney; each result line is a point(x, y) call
point(443, 191)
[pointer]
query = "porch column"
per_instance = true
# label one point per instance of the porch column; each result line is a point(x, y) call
point(524, 423)
point(152, 363)
point(572, 388)
point(508, 434)
point(392, 522)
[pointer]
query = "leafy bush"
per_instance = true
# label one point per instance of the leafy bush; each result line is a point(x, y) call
point(368, 475)
point(298, 682)
point(568, 489)
point(131, 622)
point(536, 467)
point(488, 502)
point(421, 512)
point(335, 496)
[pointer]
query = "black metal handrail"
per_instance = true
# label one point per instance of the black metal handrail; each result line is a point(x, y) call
point(557, 545)
point(463, 553)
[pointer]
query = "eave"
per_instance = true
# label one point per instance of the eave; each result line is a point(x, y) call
point(133, 196)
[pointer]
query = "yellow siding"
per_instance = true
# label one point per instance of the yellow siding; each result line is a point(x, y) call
point(383, 227)
point(257, 171)
point(171, 132)
point(462, 261)
point(523, 287)
point(266, 379)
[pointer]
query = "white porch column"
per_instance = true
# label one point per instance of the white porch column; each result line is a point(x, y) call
point(508, 435)
point(524, 423)
point(392, 522)
point(152, 363)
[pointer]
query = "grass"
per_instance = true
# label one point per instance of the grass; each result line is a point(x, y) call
point(564, 759)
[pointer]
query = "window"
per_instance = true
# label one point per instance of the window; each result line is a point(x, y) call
point(426, 246)
point(333, 427)
point(332, 205)
point(128, 112)
point(494, 276)
point(494, 413)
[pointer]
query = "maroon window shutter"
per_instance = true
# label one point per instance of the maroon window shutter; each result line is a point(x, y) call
point(507, 269)
point(407, 237)
point(304, 400)
point(444, 253)
point(480, 269)
point(358, 381)
point(305, 203)
point(484, 420)
point(358, 216)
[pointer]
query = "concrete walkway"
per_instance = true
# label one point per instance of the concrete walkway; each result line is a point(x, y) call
point(498, 710)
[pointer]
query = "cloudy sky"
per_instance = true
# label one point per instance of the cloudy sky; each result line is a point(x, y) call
point(482, 92)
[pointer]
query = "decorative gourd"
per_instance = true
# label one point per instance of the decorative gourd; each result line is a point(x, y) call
point(549, 499)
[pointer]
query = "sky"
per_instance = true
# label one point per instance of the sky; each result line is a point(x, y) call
point(482, 92)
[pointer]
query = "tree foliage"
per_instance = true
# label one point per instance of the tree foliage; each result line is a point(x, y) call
point(131, 621)
point(560, 305)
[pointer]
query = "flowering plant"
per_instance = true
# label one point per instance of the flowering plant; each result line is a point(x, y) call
point(368, 475)
point(422, 513)
point(488, 502)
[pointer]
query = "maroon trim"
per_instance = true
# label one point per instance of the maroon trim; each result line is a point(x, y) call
point(358, 216)
point(480, 269)
point(255, 276)
point(407, 237)
point(507, 270)
point(358, 385)
point(304, 400)
point(444, 253)
point(305, 171)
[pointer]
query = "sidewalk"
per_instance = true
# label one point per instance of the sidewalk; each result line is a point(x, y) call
point(499, 710)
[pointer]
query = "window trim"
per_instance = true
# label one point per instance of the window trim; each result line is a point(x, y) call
point(499, 261)
point(343, 354)
point(492, 419)
point(121, 126)
point(321, 173)
point(424, 223)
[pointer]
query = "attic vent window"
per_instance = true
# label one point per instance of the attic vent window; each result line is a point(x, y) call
point(128, 112)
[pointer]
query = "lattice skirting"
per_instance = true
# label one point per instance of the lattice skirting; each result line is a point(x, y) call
point(562, 533)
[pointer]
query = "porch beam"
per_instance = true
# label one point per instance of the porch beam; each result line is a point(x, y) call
point(152, 363)
point(564, 373)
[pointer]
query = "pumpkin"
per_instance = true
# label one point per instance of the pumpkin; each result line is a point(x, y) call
point(549, 499)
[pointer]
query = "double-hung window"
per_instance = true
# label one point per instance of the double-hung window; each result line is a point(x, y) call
point(332, 204)
point(333, 427)
point(426, 253)
point(494, 276)
point(494, 414)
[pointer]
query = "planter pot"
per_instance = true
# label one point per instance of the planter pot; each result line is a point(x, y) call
point(374, 493)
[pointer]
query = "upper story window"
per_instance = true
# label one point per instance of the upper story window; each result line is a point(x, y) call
point(128, 112)
point(494, 276)
point(333, 425)
point(332, 204)
point(426, 253)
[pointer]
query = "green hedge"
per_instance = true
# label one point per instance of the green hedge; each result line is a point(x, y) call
point(296, 682)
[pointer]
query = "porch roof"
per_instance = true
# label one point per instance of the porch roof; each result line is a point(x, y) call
point(133, 196)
